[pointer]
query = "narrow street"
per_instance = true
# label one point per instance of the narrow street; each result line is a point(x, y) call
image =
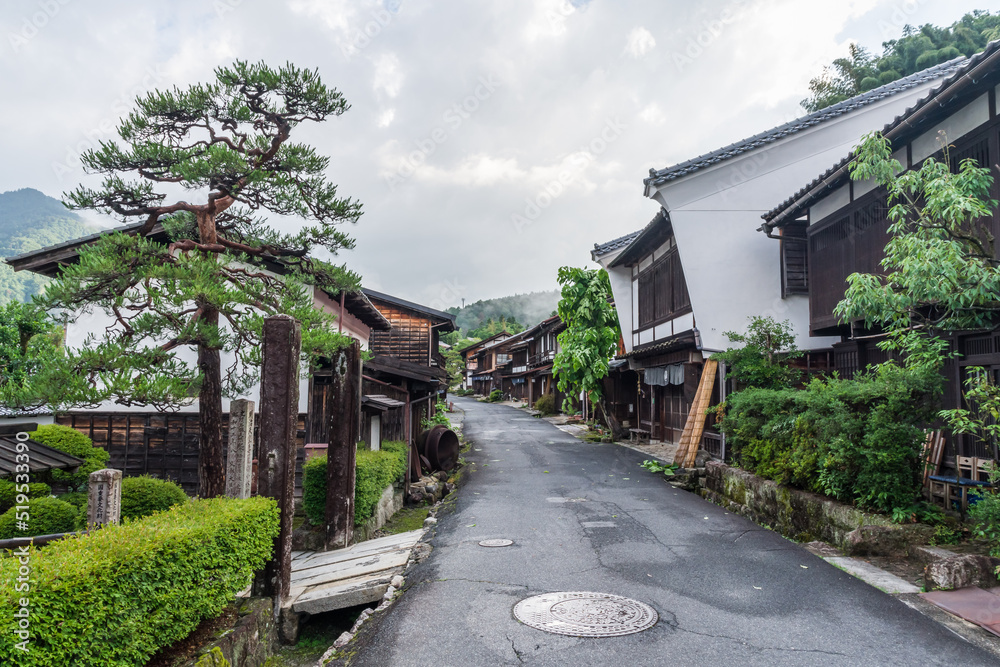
point(586, 517)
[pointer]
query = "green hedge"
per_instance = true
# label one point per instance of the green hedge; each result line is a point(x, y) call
point(46, 516)
point(74, 443)
point(8, 492)
point(855, 440)
point(374, 472)
point(145, 495)
point(116, 596)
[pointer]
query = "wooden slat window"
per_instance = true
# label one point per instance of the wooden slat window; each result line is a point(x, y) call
point(794, 259)
point(662, 290)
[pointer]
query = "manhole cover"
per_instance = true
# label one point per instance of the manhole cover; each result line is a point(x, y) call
point(585, 614)
point(496, 543)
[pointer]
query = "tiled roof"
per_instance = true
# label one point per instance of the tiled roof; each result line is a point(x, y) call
point(964, 65)
point(615, 244)
point(24, 412)
point(658, 177)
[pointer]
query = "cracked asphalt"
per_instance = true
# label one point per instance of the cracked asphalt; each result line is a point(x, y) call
point(726, 590)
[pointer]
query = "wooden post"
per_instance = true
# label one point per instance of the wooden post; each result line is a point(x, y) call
point(279, 417)
point(239, 460)
point(344, 407)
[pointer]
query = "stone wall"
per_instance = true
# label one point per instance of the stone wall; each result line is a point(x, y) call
point(249, 644)
point(390, 503)
point(805, 516)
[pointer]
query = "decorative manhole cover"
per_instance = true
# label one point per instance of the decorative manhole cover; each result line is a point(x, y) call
point(496, 543)
point(585, 614)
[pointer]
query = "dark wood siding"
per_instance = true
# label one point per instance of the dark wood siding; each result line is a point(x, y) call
point(164, 445)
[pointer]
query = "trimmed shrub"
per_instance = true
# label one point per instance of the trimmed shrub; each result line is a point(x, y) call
point(145, 495)
point(74, 443)
point(45, 517)
point(855, 440)
point(546, 404)
point(116, 596)
point(8, 492)
point(374, 471)
point(495, 396)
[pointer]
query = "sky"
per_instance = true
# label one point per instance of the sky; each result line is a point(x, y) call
point(489, 141)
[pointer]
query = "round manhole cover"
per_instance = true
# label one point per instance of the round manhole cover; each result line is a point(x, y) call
point(496, 543)
point(585, 614)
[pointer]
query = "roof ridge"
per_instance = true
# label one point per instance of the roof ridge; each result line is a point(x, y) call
point(660, 176)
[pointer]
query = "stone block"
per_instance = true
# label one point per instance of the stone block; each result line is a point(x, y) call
point(961, 572)
point(104, 497)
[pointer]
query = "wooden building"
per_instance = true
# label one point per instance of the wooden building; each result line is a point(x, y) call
point(406, 364)
point(834, 227)
point(700, 269)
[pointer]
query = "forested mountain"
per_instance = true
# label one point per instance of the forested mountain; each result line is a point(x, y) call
point(30, 220)
point(916, 50)
point(526, 309)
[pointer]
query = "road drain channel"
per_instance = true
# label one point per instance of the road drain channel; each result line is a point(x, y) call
point(582, 614)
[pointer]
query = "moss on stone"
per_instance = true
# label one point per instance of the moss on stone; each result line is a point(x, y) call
point(213, 658)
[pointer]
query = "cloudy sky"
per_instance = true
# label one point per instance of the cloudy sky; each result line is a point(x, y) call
point(490, 141)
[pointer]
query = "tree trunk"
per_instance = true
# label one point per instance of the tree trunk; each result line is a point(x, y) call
point(618, 432)
point(211, 462)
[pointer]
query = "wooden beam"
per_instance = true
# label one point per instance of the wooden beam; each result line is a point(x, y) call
point(344, 408)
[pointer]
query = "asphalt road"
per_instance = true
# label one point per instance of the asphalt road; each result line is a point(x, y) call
point(727, 591)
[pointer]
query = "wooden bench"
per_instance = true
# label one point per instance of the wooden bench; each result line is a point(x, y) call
point(638, 435)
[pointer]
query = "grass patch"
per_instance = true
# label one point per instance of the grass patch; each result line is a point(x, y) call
point(405, 520)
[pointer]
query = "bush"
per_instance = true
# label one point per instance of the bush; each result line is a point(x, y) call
point(116, 596)
point(985, 514)
point(855, 440)
point(74, 443)
point(45, 517)
point(8, 492)
point(145, 495)
point(546, 404)
point(374, 471)
point(495, 396)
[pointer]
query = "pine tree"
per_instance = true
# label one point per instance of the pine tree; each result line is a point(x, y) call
point(203, 166)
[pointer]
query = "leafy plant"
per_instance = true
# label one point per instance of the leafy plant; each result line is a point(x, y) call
point(590, 339)
point(45, 516)
point(8, 492)
point(985, 513)
point(144, 495)
point(546, 405)
point(119, 594)
point(374, 471)
point(495, 396)
point(440, 417)
point(657, 467)
point(762, 359)
point(74, 443)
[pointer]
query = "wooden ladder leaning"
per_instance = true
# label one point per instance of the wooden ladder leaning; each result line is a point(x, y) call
point(694, 427)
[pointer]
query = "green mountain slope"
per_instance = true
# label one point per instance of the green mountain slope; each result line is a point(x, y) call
point(526, 309)
point(30, 220)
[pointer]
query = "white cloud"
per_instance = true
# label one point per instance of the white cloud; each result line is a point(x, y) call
point(388, 75)
point(652, 114)
point(639, 42)
point(386, 117)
